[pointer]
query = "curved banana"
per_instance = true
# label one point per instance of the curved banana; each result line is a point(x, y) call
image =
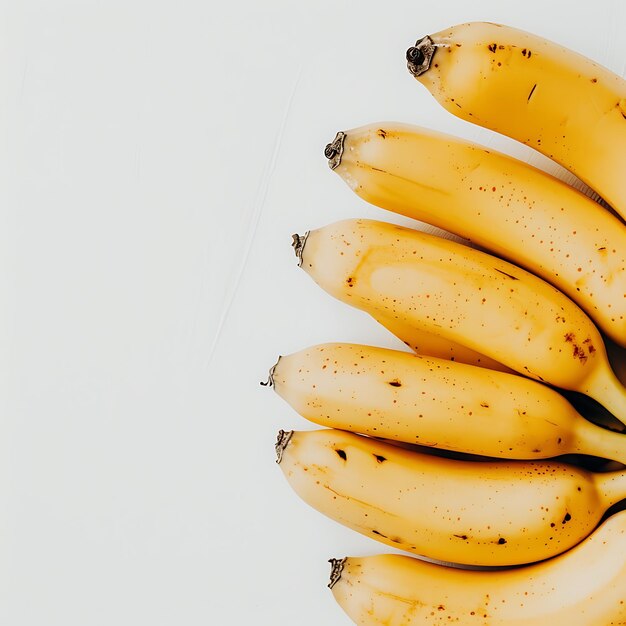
point(584, 587)
point(428, 344)
point(467, 296)
point(514, 210)
point(469, 512)
point(432, 402)
point(542, 94)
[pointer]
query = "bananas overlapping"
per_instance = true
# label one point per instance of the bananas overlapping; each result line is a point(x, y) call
point(505, 339)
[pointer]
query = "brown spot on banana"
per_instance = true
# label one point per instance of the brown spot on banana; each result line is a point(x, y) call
point(505, 273)
point(579, 353)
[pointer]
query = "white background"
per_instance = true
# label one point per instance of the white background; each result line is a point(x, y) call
point(156, 157)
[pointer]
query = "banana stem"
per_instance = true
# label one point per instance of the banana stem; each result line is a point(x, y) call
point(606, 388)
point(298, 245)
point(612, 486)
point(601, 442)
point(284, 437)
point(420, 56)
point(336, 567)
point(334, 150)
point(270, 376)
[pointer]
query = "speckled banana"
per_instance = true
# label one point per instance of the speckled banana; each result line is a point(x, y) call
point(465, 295)
point(516, 211)
point(584, 587)
point(432, 402)
point(469, 512)
point(542, 94)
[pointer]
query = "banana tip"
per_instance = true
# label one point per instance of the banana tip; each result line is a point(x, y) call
point(270, 375)
point(420, 56)
point(298, 245)
point(336, 567)
point(282, 441)
point(334, 150)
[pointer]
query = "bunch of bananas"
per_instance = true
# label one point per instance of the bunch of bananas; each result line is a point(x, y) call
point(450, 452)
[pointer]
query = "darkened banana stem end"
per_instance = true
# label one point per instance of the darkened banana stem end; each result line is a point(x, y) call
point(420, 56)
point(336, 567)
point(298, 245)
point(284, 436)
point(334, 150)
point(270, 377)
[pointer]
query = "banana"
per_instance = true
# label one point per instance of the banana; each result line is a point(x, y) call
point(433, 402)
point(467, 512)
point(583, 587)
point(502, 204)
point(542, 94)
point(465, 295)
point(427, 344)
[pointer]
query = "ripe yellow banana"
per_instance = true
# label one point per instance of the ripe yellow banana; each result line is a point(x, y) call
point(432, 402)
point(465, 295)
point(583, 587)
point(507, 206)
point(427, 344)
point(546, 96)
point(469, 512)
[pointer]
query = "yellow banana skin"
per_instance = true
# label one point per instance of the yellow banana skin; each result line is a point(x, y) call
point(433, 402)
point(427, 344)
point(506, 206)
point(542, 94)
point(468, 512)
point(467, 296)
point(584, 587)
